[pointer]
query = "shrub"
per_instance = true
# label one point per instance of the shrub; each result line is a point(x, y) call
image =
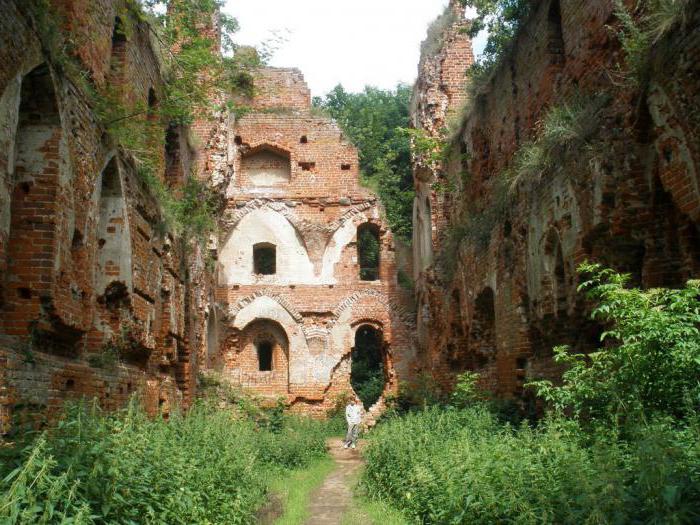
point(207, 466)
point(651, 358)
point(462, 466)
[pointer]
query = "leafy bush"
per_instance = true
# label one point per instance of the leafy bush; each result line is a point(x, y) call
point(631, 454)
point(463, 466)
point(208, 466)
point(502, 20)
point(651, 362)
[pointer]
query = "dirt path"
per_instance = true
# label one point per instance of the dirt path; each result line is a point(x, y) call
point(330, 501)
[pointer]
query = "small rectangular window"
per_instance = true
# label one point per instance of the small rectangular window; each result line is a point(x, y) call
point(264, 259)
point(264, 356)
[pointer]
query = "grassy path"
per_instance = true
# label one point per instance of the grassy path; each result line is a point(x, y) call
point(325, 494)
point(290, 494)
point(334, 497)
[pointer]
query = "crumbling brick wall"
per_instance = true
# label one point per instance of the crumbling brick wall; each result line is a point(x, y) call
point(291, 183)
point(85, 267)
point(630, 200)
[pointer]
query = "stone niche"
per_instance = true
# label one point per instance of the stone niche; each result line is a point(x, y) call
point(266, 167)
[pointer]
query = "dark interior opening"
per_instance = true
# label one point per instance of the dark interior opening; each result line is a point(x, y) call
point(264, 349)
point(367, 371)
point(264, 259)
point(368, 251)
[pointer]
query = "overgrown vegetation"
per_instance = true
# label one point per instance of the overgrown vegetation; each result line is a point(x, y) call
point(193, 72)
point(206, 466)
point(619, 444)
point(565, 141)
point(642, 28)
point(501, 19)
point(563, 135)
point(373, 120)
point(650, 362)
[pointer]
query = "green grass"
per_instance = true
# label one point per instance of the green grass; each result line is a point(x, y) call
point(464, 466)
point(294, 490)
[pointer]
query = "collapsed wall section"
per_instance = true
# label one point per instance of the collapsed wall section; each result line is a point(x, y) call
point(294, 286)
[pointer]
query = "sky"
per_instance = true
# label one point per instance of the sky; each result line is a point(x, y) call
point(354, 43)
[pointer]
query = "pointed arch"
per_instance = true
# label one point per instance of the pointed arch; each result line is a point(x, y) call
point(31, 243)
point(113, 238)
point(265, 226)
point(266, 165)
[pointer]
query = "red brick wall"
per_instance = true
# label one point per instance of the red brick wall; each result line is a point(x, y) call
point(70, 283)
point(633, 204)
point(322, 201)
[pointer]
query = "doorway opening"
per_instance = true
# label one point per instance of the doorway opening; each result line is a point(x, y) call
point(367, 371)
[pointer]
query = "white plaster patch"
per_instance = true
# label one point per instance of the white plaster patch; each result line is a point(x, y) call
point(265, 225)
point(266, 168)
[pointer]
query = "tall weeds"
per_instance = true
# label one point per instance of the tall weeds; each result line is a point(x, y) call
point(208, 466)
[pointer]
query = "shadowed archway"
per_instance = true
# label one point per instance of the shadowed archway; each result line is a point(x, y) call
point(367, 374)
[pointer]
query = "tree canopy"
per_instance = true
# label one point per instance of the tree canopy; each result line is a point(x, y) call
point(373, 120)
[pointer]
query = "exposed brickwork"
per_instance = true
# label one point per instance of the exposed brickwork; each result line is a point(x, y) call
point(634, 203)
point(291, 182)
point(83, 260)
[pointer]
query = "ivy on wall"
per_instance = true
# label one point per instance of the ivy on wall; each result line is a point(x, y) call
point(197, 78)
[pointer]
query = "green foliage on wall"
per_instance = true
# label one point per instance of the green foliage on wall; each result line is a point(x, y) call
point(193, 72)
point(502, 20)
point(373, 120)
point(642, 28)
point(649, 361)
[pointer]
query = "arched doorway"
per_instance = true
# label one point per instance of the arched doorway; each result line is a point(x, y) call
point(367, 375)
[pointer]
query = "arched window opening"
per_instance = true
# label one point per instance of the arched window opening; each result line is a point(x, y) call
point(118, 56)
point(264, 259)
point(212, 337)
point(31, 242)
point(555, 36)
point(264, 349)
point(560, 301)
point(112, 234)
point(261, 357)
point(482, 333)
point(152, 104)
point(367, 370)
point(426, 232)
point(456, 314)
point(556, 275)
point(266, 166)
point(368, 251)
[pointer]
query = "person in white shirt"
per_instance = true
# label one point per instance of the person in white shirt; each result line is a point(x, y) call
point(353, 416)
